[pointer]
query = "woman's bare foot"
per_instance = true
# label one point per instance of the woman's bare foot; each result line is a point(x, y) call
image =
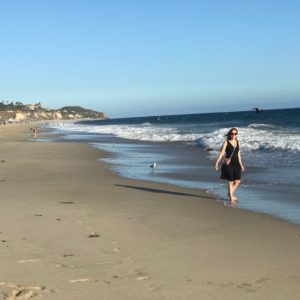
point(231, 203)
point(232, 199)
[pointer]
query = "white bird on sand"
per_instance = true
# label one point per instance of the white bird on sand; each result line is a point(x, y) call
point(154, 165)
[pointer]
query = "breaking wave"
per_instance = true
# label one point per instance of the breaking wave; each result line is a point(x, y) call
point(252, 137)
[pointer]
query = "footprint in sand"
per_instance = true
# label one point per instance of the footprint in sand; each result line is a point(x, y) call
point(94, 235)
point(21, 292)
point(68, 255)
point(142, 278)
point(262, 280)
point(226, 284)
point(61, 266)
point(138, 274)
point(247, 287)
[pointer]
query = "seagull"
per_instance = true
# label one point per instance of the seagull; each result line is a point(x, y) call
point(258, 110)
point(154, 165)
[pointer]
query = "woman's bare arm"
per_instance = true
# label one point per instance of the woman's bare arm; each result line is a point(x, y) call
point(220, 155)
point(240, 161)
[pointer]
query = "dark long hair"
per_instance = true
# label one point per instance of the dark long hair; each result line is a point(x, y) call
point(228, 133)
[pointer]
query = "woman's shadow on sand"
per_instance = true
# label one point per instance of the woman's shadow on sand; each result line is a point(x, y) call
point(158, 191)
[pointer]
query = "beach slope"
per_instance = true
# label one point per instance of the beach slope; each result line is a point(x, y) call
point(70, 229)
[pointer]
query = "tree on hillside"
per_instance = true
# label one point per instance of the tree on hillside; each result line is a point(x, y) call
point(10, 106)
point(19, 105)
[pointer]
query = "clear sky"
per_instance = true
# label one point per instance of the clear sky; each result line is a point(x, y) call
point(151, 57)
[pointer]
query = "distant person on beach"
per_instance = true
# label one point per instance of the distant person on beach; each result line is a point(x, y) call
point(232, 165)
point(34, 132)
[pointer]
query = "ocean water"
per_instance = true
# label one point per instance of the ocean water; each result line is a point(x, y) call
point(186, 146)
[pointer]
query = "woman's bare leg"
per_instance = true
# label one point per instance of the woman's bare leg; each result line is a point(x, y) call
point(235, 185)
point(230, 192)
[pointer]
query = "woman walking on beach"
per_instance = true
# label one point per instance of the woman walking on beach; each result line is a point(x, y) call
point(232, 163)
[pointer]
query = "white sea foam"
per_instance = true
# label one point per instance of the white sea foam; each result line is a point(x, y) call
point(261, 126)
point(144, 132)
point(253, 137)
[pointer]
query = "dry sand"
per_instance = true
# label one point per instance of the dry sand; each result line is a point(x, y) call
point(70, 229)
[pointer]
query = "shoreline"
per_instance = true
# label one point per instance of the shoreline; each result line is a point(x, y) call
point(175, 170)
point(72, 228)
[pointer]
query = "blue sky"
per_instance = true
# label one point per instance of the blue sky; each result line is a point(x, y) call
point(134, 58)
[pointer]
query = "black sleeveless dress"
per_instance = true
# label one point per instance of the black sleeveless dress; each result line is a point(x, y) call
point(232, 172)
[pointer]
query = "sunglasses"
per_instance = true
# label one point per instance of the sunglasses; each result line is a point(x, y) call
point(233, 133)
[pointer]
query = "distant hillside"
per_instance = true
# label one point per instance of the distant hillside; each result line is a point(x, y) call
point(19, 112)
point(83, 112)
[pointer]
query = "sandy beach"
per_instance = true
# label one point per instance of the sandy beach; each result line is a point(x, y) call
point(70, 229)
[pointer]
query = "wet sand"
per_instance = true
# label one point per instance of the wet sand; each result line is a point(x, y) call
point(70, 229)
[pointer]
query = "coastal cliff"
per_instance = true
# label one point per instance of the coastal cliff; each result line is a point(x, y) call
point(19, 113)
